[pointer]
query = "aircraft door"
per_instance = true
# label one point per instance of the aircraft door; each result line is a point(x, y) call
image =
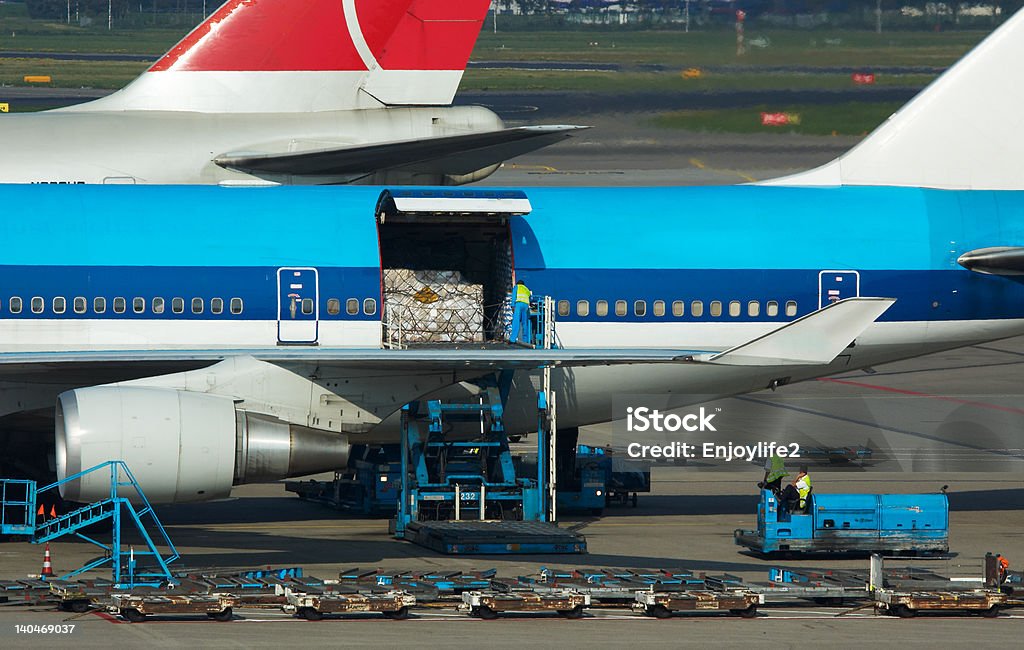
point(834, 286)
point(298, 306)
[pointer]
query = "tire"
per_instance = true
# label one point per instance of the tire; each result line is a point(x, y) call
point(903, 611)
point(310, 614)
point(991, 612)
point(79, 606)
point(133, 615)
point(749, 612)
point(485, 612)
point(399, 614)
point(659, 611)
point(222, 617)
point(574, 613)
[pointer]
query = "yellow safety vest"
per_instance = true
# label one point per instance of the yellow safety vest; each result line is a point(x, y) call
point(804, 491)
point(777, 468)
point(522, 293)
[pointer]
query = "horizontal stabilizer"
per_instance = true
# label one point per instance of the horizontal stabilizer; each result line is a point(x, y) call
point(453, 154)
point(997, 260)
point(816, 339)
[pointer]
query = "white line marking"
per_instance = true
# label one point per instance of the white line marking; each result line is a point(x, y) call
point(355, 32)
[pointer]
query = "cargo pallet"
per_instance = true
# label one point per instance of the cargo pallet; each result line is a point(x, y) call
point(135, 608)
point(494, 537)
point(664, 604)
point(313, 606)
point(488, 605)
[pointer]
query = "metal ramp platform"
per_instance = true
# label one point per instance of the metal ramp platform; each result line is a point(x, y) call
point(495, 537)
point(131, 566)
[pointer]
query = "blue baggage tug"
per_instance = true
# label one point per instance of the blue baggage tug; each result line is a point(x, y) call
point(860, 523)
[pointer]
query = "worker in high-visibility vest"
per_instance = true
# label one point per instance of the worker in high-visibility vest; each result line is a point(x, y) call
point(520, 313)
point(774, 472)
point(795, 496)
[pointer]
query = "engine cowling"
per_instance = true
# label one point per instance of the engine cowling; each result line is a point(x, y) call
point(181, 446)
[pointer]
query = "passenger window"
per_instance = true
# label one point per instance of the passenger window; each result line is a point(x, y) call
point(678, 308)
point(178, 305)
point(620, 307)
point(37, 305)
point(15, 305)
point(216, 305)
point(697, 308)
point(563, 307)
point(60, 305)
point(771, 309)
point(119, 305)
point(734, 308)
point(158, 305)
point(236, 305)
point(583, 308)
point(197, 305)
point(333, 306)
point(659, 307)
point(791, 308)
point(601, 308)
point(754, 308)
point(640, 308)
point(307, 306)
point(99, 304)
point(715, 309)
point(351, 306)
point(138, 305)
point(370, 306)
point(80, 305)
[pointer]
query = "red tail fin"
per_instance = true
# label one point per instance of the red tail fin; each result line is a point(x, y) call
point(320, 55)
point(340, 35)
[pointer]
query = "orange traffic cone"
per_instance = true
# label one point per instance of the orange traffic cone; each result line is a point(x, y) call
point(47, 571)
point(41, 512)
point(53, 511)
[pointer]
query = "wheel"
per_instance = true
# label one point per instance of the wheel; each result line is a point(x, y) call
point(749, 612)
point(79, 606)
point(574, 613)
point(903, 611)
point(310, 614)
point(484, 612)
point(221, 616)
point(634, 499)
point(659, 611)
point(991, 612)
point(399, 614)
point(133, 615)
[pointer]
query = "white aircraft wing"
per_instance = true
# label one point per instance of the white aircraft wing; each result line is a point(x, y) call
point(453, 154)
point(815, 339)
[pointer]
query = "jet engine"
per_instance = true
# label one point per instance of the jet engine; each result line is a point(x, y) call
point(181, 446)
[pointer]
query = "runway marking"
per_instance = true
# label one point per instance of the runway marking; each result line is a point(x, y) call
point(914, 393)
point(543, 168)
point(699, 164)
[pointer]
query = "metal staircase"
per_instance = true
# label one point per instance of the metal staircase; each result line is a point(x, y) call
point(18, 499)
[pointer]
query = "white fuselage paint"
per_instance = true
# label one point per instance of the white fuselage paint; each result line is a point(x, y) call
point(178, 147)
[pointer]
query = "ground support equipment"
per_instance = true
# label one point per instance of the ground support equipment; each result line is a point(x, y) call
point(18, 516)
point(313, 606)
point(489, 604)
point(662, 604)
point(136, 607)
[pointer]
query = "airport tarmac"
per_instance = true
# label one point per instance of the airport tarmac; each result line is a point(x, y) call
point(687, 521)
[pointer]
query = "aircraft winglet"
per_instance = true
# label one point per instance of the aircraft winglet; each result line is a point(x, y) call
point(815, 339)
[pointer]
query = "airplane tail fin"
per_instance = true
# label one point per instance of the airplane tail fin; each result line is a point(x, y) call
point(964, 131)
point(311, 55)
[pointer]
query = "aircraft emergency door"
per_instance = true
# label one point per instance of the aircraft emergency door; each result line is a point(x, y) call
point(298, 306)
point(834, 286)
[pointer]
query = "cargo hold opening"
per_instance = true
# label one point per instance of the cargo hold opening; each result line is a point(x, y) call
point(446, 265)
